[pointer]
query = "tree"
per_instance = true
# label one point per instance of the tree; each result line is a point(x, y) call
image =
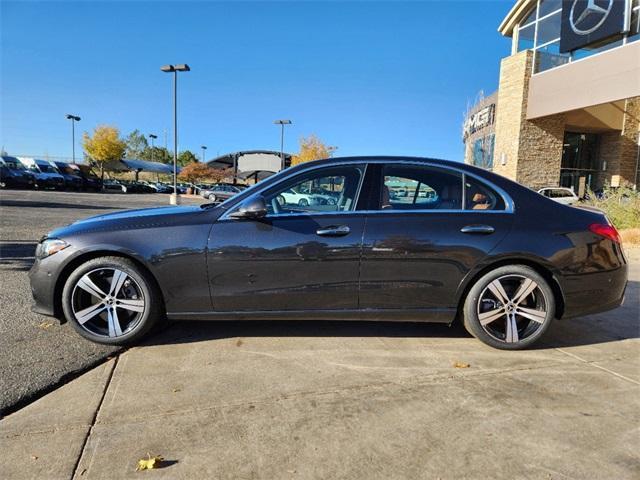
point(311, 148)
point(104, 146)
point(136, 145)
point(195, 172)
point(186, 157)
point(157, 154)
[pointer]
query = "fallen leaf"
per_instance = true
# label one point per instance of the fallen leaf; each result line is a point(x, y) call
point(461, 365)
point(149, 463)
point(45, 325)
point(239, 343)
point(176, 390)
point(34, 457)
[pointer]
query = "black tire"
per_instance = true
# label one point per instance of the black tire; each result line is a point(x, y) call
point(531, 331)
point(303, 202)
point(153, 309)
point(213, 198)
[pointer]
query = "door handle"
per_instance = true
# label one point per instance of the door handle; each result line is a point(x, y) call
point(333, 231)
point(481, 229)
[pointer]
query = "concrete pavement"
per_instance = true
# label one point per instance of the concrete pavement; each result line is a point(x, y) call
point(306, 400)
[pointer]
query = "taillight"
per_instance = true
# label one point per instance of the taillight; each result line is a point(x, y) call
point(606, 231)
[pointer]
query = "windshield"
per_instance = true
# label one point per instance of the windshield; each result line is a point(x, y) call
point(14, 164)
point(47, 168)
point(63, 167)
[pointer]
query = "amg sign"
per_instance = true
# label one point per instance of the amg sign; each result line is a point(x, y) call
point(585, 22)
point(479, 120)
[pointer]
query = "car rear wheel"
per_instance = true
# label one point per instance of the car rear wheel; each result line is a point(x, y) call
point(110, 300)
point(303, 202)
point(509, 308)
point(213, 198)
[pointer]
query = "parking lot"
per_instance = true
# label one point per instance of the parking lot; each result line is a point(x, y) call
point(309, 399)
point(36, 352)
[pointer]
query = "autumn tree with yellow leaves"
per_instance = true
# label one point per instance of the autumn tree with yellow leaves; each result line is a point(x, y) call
point(104, 146)
point(311, 148)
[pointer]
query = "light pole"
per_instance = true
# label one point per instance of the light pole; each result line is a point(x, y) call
point(203, 147)
point(282, 123)
point(74, 119)
point(152, 137)
point(183, 67)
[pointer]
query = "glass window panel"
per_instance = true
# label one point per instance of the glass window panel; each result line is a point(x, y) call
point(634, 33)
point(548, 6)
point(479, 196)
point(587, 52)
point(420, 188)
point(327, 190)
point(530, 18)
point(525, 37)
point(548, 29)
point(549, 57)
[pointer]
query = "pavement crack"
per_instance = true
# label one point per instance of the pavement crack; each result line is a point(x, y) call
point(594, 364)
point(95, 416)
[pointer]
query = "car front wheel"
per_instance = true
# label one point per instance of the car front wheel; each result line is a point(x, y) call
point(110, 300)
point(509, 308)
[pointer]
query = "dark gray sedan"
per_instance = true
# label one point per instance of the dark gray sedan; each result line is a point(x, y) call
point(406, 239)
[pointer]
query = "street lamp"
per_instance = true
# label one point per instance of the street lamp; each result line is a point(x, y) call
point(282, 123)
point(183, 67)
point(203, 147)
point(152, 137)
point(74, 119)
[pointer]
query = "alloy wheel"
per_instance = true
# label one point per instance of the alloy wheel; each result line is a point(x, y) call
point(107, 302)
point(512, 308)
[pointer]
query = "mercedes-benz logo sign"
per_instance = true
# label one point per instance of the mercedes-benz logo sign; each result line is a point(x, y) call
point(586, 20)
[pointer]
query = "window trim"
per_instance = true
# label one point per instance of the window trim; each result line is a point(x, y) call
point(509, 206)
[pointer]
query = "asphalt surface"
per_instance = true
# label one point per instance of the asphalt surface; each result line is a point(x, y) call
point(36, 352)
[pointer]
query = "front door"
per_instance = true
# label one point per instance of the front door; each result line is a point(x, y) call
point(304, 255)
point(421, 242)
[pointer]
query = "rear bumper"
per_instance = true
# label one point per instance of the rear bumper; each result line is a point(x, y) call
point(594, 292)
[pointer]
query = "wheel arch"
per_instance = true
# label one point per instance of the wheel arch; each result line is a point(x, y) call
point(538, 266)
point(85, 257)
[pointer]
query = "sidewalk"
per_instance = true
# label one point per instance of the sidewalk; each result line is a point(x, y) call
point(304, 400)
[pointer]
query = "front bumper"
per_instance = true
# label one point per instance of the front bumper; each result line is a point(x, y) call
point(43, 278)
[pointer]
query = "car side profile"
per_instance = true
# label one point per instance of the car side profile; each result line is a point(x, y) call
point(458, 243)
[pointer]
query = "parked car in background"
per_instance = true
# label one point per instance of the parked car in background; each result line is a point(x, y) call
point(221, 192)
point(114, 186)
point(562, 195)
point(158, 187)
point(90, 181)
point(71, 179)
point(46, 175)
point(13, 174)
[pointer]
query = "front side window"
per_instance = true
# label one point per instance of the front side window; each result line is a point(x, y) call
point(332, 189)
point(420, 188)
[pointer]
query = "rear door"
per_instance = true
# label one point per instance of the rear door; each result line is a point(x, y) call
point(430, 227)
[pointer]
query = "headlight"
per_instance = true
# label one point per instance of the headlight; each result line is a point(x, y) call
point(49, 246)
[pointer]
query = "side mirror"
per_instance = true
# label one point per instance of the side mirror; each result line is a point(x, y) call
point(252, 208)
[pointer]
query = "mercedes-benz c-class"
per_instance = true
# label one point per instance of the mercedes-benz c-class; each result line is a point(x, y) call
point(403, 239)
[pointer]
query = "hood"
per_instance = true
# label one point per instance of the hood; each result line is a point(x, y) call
point(128, 219)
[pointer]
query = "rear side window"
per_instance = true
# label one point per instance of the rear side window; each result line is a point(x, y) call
point(479, 196)
point(420, 188)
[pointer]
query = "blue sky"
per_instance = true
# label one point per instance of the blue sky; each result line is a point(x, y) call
point(369, 77)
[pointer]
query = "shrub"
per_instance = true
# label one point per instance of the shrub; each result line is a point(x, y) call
point(621, 205)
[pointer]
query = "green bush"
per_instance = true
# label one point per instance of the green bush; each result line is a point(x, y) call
point(621, 204)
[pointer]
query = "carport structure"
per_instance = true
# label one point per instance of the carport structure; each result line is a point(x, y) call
point(137, 166)
point(256, 164)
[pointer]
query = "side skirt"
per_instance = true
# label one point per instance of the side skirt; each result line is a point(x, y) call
point(439, 315)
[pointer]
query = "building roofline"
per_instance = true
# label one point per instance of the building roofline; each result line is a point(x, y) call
point(519, 10)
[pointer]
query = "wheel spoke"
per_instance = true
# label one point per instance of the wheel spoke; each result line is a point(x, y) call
point(88, 313)
point(535, 315)
point(114, 323)
point(498, 290)
point(87, 285)
point(526, 288)
point(116, 282)
point(131, 304)
point(491, 315)
point(512, 329)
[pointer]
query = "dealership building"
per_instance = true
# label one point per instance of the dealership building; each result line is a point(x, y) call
point(567, 108)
